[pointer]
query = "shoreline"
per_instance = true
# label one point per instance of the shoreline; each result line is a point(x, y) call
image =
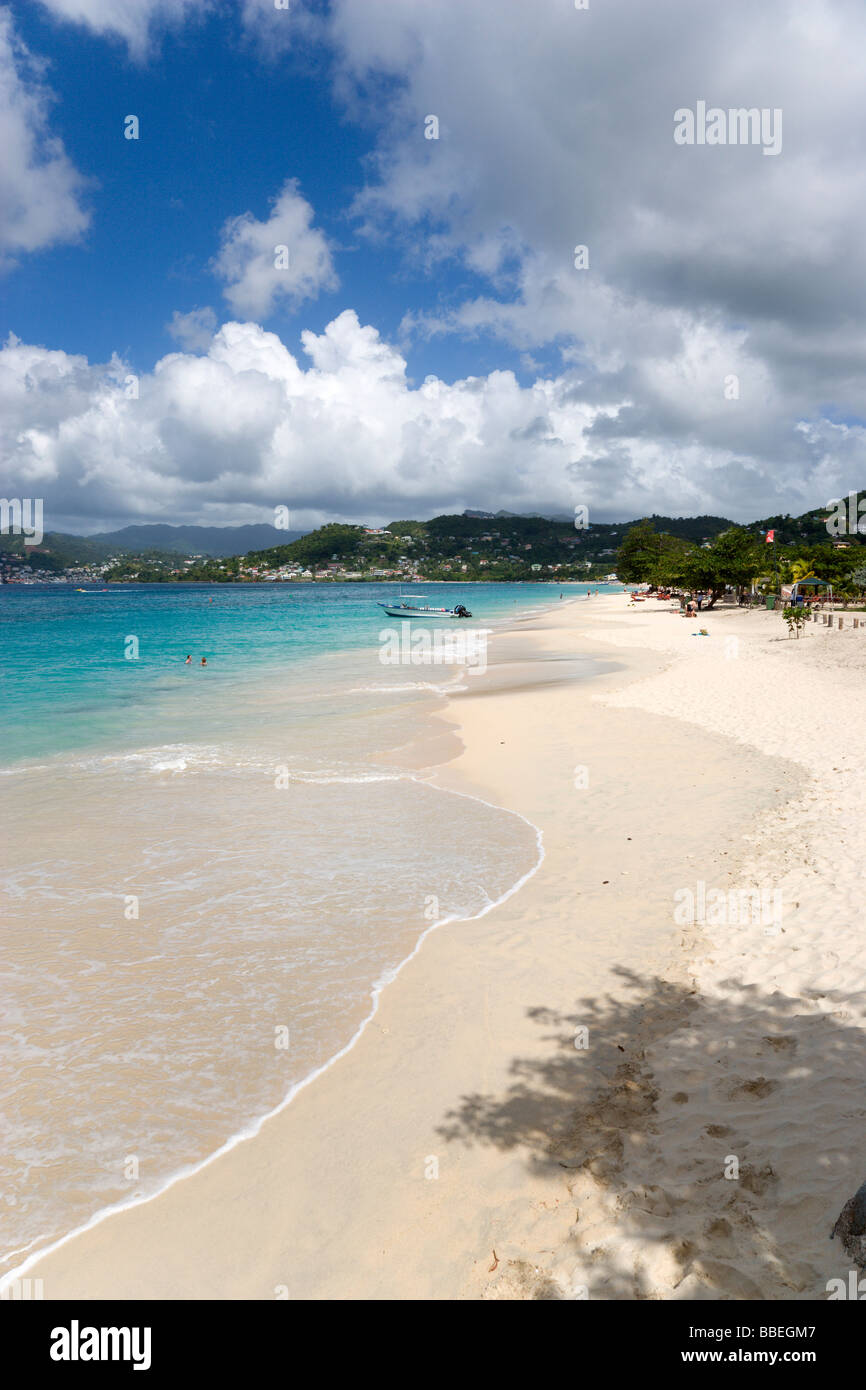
point(442, 1029)
point(433, 735)
point(254, 1128)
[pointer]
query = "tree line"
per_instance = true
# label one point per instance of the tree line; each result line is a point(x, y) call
point(736, 558)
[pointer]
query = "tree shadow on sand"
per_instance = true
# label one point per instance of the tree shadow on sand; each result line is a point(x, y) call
point(707, 1144)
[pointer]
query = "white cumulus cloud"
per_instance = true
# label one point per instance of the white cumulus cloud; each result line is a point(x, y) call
point(193, 330)
point(557, 131)
point(40, 188)
point(131, 20)
point(283, 258)
point(340, 431)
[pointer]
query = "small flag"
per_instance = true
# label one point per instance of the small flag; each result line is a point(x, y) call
point(770, 537)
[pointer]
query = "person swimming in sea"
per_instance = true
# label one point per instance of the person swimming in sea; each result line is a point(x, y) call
point(204, 661)
point(188, 660)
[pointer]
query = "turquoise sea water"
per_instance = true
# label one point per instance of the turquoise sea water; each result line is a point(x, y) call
point(194, 859)
point(67, 683)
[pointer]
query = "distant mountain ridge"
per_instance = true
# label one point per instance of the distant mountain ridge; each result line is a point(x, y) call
point(166, 544)
point(216, 541)
point(60, 549)
point(689, 527)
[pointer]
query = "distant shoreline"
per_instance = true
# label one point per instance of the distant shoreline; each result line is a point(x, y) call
point(277, 583)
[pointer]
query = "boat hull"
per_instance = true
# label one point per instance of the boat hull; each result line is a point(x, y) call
point(417, 612)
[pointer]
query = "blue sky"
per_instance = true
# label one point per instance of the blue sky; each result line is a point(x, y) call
point(433, 341)
point(221, 129)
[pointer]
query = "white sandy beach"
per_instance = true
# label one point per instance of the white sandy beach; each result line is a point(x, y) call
point(466, 1147)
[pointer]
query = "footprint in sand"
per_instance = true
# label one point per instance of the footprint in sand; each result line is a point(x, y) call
point(758, 1088)
point(757, 1180)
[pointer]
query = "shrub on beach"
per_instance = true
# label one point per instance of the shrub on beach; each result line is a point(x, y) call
point(795, 617)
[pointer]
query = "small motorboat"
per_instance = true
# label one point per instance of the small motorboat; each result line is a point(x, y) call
point(410, 607)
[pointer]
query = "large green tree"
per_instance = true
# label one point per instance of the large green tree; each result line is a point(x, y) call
point(731, 558)
point(650, 557)
point(647, 556)
point(639, 555)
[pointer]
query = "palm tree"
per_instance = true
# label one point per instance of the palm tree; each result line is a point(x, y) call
point(799, 569)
